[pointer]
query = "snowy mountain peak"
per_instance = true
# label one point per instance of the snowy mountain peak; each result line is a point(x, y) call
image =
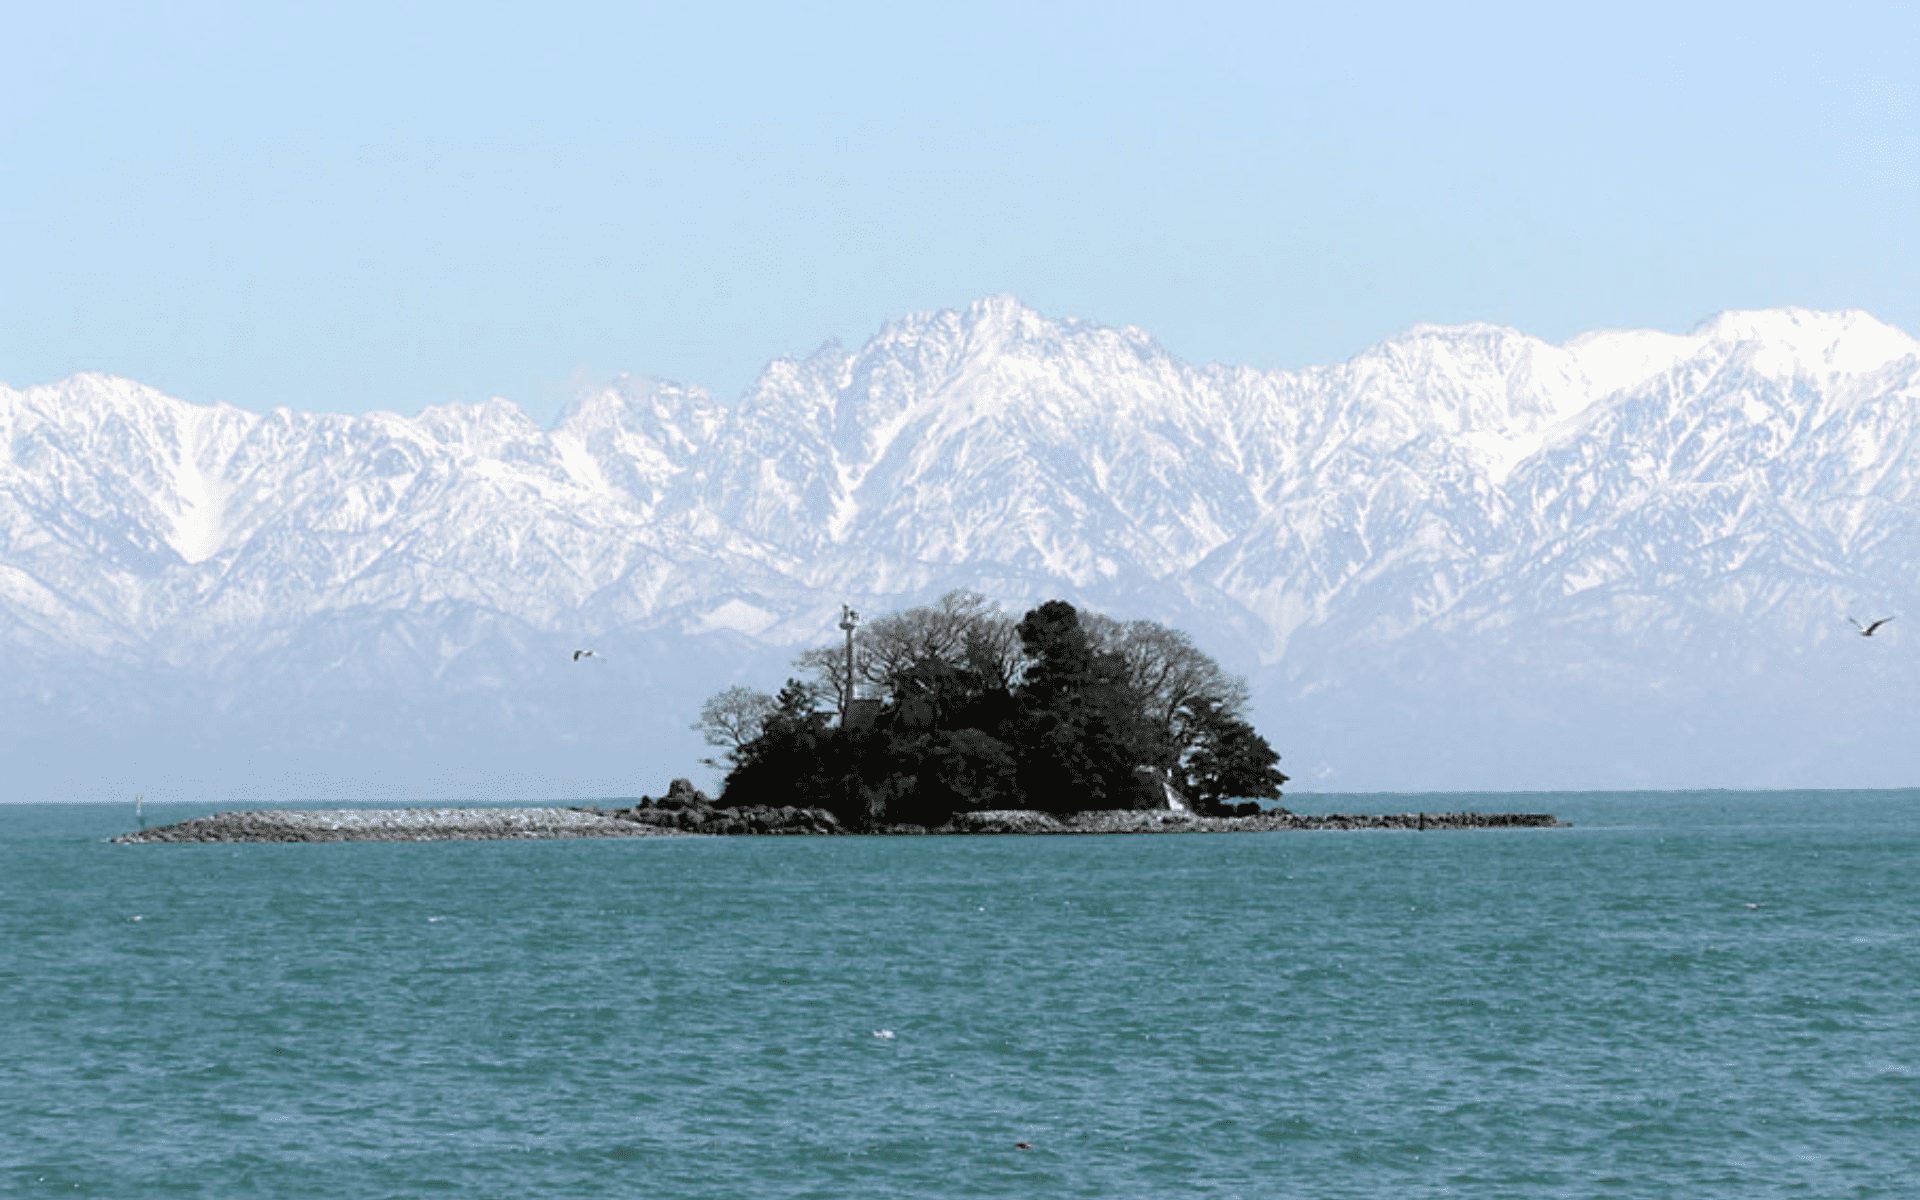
point(485, 428)
point(630, 400)
point(1483, 334)
point(90, 395)
point(1811, 340)
point(1004, 310)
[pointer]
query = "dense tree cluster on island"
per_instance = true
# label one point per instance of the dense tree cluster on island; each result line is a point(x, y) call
point(963, 709)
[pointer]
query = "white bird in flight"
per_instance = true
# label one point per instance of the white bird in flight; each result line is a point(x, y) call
point(1867, 630)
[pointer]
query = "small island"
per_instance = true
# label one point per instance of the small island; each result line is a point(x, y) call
point(970, 723)
point(953, 708)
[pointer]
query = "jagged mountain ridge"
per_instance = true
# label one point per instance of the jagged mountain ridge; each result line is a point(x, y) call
point(1464, 504)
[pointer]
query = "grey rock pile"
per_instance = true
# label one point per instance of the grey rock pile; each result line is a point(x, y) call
point(687, 809)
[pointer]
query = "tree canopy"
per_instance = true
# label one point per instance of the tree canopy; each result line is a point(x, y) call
point(1058, 711)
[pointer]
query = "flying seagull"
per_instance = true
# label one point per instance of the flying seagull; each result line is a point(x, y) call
point(1867, 630)
point(580, 654)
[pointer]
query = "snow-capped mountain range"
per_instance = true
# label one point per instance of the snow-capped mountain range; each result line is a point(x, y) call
point(1464, 558)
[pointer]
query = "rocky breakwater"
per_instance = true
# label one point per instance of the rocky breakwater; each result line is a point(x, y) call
point(685, 810)
point(1026, 821)
point(394, 825)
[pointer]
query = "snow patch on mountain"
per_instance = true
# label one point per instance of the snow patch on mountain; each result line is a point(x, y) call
point(198, 504)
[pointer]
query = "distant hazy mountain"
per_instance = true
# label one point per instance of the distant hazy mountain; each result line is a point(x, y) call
point(1464, 558)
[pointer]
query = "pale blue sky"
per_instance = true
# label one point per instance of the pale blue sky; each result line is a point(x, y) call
point(391, 205)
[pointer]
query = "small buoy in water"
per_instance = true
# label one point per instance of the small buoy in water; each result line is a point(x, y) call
point(885, 1035)
point(136, 918)
point(1023, 1145)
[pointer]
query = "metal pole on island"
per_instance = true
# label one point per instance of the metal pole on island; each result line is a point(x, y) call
point(848, 620)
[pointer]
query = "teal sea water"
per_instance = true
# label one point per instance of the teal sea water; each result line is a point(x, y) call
point(1687, 994)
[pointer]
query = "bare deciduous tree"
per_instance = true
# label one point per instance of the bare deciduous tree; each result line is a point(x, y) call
point(731, 718)
point(962, 629)
point(1164, 666)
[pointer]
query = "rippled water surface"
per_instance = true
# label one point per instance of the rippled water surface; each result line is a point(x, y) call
point(1685, 995)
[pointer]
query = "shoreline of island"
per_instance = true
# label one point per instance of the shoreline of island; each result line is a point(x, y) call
point(697, 819)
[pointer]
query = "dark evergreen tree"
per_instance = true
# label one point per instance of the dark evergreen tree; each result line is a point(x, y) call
point(1082, 736)
point(1226, 758)
point(939, 772)
point(800, 759)
point(798, 699)
point(944, 728)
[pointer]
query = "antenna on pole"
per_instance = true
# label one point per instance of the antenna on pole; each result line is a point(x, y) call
point(849, 619)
